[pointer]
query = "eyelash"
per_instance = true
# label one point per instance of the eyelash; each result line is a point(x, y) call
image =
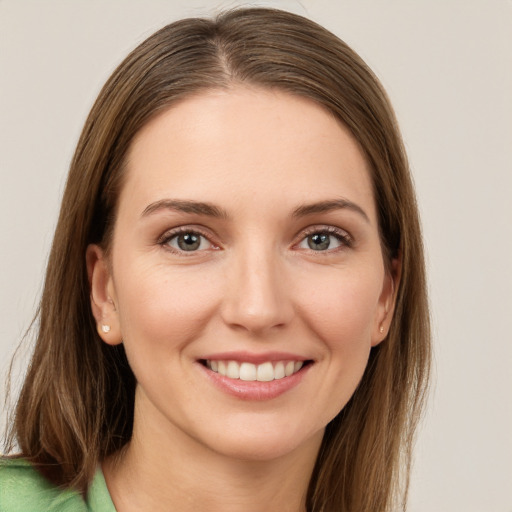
point(184, 230)
point(342, 236)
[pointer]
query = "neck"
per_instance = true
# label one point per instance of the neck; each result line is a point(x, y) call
point(158, 470)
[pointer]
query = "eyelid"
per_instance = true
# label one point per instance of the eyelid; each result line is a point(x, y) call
point(344, 236)
point(194, 229)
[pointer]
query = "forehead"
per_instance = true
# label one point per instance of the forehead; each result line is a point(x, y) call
point(246, 143)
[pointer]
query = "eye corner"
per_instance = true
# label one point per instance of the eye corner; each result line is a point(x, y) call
point(329, 239)
point(187, 241)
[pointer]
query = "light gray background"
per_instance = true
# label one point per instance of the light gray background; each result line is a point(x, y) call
point(448, 69)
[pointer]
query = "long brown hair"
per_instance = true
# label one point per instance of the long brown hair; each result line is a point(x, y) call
point(76, 405)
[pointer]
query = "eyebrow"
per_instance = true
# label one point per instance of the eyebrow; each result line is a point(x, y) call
point(327, 206)
point(210, 210)
point(184, 206)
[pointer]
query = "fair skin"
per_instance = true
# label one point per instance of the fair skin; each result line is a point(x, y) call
point(246, 242)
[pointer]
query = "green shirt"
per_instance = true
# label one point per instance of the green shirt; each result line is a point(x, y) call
point(23, 489)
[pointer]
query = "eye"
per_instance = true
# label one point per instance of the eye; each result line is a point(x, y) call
point(325, 239)
point(187, 241)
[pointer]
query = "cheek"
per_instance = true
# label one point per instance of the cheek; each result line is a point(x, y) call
point(341, 315)
point(342, 308)
point(158, 308)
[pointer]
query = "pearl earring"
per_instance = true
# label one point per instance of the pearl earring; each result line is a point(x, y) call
point(381, 330)
point(105, 328)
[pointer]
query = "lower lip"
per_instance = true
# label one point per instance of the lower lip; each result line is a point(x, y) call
point(255, 390)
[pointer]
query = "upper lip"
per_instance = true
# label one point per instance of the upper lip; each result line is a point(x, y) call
point(254, 358)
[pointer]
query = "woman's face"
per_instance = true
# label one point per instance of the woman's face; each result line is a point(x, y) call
point(246, 278)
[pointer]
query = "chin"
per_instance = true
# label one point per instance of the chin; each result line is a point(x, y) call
point(262, 444)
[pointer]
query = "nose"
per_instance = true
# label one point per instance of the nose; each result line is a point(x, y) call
point(257, 299)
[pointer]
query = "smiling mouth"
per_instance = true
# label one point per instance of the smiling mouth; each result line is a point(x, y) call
point(264, 372)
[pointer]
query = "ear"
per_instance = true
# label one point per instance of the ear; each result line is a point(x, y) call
point(103, 298)
point(387, 301)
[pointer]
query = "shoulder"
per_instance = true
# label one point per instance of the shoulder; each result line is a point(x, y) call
point(23, 489)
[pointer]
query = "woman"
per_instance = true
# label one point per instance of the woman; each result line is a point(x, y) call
point(234, 314)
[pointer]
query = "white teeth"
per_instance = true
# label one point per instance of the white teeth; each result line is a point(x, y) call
point(233, 370)
point(279, 370)
point(221, 368)
point(248, 371)
point(264, 372)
